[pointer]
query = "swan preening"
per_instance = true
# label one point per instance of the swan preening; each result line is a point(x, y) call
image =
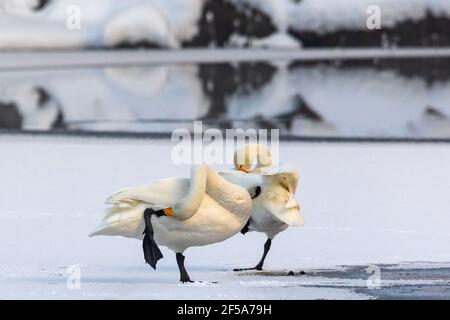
point(274, 206)
point(206, 208)
point(252, 157)
point(178, 213)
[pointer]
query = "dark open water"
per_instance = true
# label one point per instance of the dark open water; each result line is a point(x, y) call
point(395, 281)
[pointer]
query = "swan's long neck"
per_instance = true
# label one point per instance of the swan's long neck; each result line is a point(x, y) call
point(228, 195)
point(253, 153)
point(204, 180)
point(263, 157)
point(189, 205)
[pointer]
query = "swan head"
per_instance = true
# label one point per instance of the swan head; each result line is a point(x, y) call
point(252, 157)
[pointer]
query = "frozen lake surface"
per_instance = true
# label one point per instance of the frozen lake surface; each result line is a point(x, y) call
point(364, 204)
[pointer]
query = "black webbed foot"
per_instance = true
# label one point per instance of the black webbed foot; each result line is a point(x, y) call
point(259, 266)
point(151, 250)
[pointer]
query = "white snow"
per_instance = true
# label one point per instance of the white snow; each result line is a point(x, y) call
point(332, 15)
point(169, 23)
point(275, 9)
point(140, 23)
point(103, 23)
point(23, 33)
point(362, 204)
point(17, 7)
point(183, 16)
point(276, 40)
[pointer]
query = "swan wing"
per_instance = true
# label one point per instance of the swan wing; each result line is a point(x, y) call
point(158, 194)
point(286, 174)
point(122, 220)
point(279, 185)
point(287, 212)
point(124, 216)
point(246, 180)
point(280, 199)
point(183, 195)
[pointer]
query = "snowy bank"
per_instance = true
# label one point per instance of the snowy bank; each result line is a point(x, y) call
point(210, 23)
point(102, 23)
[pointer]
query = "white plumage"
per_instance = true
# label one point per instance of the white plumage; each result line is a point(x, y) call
point(273, 191)
point(206, 209)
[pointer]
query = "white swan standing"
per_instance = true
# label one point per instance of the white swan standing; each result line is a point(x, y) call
point(178, 213)
point(273, 189)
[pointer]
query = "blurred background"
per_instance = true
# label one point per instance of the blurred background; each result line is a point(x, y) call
point(339, 98)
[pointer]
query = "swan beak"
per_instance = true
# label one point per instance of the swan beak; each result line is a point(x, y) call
point(244, 170)
point(168, 212)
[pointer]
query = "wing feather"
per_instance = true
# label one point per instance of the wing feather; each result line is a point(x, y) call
point(164, 193)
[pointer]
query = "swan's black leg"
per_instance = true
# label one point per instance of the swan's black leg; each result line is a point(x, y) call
point(261, 262)
point(266, 250)
point(245, 228)
point(184, 277)
point(151, 250)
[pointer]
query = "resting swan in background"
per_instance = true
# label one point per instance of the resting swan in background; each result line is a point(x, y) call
point(178, 213)
point(273, 189)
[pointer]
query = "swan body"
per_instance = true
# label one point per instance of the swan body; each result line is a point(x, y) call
point(274, 205)
point(205, 209)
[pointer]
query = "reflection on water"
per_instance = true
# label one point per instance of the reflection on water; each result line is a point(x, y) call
point(366, 99)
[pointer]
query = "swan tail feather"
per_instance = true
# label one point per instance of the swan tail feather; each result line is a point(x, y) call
point(122, 219)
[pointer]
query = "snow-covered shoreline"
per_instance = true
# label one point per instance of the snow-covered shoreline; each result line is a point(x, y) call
point(211, 23)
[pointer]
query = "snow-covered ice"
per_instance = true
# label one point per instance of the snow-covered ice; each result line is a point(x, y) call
point(363, 204)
